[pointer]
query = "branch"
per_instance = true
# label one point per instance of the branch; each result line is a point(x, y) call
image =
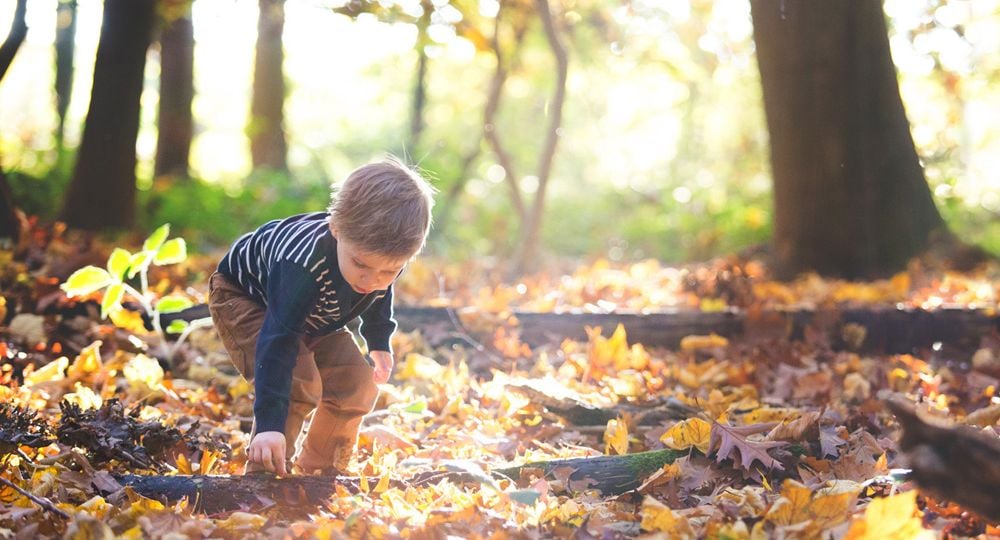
point(489, 120)
point(40, 501)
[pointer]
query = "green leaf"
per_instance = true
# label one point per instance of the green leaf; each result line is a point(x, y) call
point(174, 251)
point(118, 263)
point(112, 299)
point(156, 239)
point(176, 326)
point(173, 304)
point(139, 263)
point(524, 496)
point(416, 407)
point(86, 280)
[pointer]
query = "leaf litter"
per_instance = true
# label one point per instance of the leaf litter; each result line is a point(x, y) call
point(779, 438)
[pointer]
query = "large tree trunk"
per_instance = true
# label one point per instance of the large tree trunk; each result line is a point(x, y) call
point(65, 49)
point(267, 133)
point(850, 196)
point(173, 142)
point(102, 193)
point(10, 225)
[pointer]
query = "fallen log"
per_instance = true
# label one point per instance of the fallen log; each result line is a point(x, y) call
point(953, 462)
point(885, 329)
point(580, 413)
point(211, 494)
point(610, 475)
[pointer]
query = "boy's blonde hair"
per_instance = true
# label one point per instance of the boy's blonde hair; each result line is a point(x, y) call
point(384, 208)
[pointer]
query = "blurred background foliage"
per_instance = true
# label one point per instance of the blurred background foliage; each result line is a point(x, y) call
point(663, 150)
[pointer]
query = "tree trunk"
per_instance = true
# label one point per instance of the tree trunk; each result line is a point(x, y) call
point(420, 80)
point(531, 229)
point(65, 49)
point(173, 142)
point(102, 192)
point(268, 148)
point(850, 196)
point(10, 224)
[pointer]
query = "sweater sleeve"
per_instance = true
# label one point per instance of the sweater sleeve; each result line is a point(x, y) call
point(378, 324)
point(291, 293)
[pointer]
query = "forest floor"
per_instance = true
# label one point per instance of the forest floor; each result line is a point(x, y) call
point(775, 437)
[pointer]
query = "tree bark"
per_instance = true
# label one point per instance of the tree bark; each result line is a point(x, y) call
point(175, 123)
point(268, 147)
point(65, 49)
point(956, 463)
point(850, 197)
point(102, 192)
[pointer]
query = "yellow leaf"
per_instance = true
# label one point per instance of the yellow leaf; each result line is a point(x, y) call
point(239, 388)
point(824, 509)
point(53, 371)
point(383, 483)
point(769, 414)
point(606, 352)
point(88, 361)
point(657, 517)
point(183, 465)
point(143, 373)
point(693, 343)
point(889, 518)
point(241, 522)
point(691, 432)
point(616, 437)
point(84, 397)
point(419, 367)
point(127, 319)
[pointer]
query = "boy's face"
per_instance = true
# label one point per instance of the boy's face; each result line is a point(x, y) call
point(364, 271)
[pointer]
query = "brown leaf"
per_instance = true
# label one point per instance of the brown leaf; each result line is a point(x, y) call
point(727, 439)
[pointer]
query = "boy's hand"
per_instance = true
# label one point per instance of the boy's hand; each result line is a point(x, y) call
point(268, 449)
point(383, 365)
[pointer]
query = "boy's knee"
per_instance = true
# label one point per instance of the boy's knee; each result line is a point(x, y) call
point(307, 391)
point(358, 395)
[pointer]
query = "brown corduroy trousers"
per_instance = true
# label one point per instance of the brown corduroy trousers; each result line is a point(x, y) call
point(331, 383)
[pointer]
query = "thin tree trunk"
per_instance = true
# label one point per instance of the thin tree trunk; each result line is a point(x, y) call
point(10, 224)
point(531, 231)
point(65, 49)
point(102, 192)
point(489, 121)
point(850, 196)
point(175, 123)
point(268, 147)
point(420, 82)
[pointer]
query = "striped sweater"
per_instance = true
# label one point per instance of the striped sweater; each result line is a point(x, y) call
point(289, 266)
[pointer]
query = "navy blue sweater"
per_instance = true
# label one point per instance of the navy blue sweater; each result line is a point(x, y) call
point(289, 266)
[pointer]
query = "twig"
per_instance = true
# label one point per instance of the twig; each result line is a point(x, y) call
point(40, 501)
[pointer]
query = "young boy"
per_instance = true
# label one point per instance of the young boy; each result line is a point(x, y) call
point(281, 299)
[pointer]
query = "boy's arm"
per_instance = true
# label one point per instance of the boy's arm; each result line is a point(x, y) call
point(291, 293)
point(378, 324)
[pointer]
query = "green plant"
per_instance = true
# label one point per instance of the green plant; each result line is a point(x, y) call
point(123, 266)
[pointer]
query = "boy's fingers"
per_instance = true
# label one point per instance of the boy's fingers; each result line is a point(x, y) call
point(279, 461)
point(265, 459)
